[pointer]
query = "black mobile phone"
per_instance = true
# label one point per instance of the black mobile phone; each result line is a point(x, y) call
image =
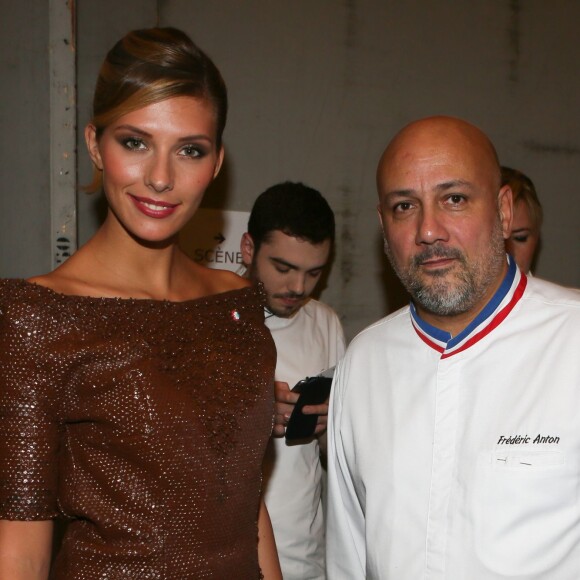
point(313, 391)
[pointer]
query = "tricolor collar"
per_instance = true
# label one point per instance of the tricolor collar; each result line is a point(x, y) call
point(495, 311)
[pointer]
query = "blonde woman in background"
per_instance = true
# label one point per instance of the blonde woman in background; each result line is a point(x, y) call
point(523, 243)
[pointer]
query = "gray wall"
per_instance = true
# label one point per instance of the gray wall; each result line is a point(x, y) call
point(317, 88)
point(24, 139)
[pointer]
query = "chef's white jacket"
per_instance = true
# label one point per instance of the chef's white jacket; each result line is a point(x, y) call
point(459, 458)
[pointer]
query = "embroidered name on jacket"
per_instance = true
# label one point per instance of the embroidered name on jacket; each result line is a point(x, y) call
point(526, 439)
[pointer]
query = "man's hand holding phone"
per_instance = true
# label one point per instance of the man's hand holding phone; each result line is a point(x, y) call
point(285, 401)
point(311, 416)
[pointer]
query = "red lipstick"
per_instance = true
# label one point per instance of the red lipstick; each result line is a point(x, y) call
point(152, 207)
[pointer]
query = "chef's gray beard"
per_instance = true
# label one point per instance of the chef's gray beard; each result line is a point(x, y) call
point(442, 296)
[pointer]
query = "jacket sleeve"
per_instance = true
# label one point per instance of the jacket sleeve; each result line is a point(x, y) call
point(345, 534)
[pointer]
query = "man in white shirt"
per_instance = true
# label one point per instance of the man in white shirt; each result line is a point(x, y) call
point(287, 247)
point(454, 436)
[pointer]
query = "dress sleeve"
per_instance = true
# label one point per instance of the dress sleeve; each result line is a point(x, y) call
point(29, 440)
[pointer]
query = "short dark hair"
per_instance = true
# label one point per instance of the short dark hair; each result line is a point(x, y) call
point(294, 209)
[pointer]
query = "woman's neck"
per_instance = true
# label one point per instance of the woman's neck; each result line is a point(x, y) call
point(130, 266)
point(113, 263)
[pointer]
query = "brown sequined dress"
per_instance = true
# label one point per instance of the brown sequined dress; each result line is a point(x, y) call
point(142, 422)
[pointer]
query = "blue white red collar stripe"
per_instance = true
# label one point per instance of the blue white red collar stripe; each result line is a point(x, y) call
point(495, 311)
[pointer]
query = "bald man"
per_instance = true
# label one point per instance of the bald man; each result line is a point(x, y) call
point(454, 433)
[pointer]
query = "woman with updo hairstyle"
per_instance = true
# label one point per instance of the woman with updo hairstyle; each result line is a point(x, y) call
point(524, 239)
point(136, 386)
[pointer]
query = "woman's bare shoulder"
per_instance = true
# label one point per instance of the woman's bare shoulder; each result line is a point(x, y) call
point(53, 281)
point(219, 281)
point(63, 282)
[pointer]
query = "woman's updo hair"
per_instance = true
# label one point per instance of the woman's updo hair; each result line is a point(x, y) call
point(150, 65)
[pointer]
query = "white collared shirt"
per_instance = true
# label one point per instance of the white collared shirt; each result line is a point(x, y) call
point(308, 343)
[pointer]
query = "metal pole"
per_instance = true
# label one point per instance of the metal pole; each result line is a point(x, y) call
point(63, 180)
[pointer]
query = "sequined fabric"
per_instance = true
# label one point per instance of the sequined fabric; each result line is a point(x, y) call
point(142, 422)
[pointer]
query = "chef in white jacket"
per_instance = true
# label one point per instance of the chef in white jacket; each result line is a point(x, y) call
point(454, 438)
